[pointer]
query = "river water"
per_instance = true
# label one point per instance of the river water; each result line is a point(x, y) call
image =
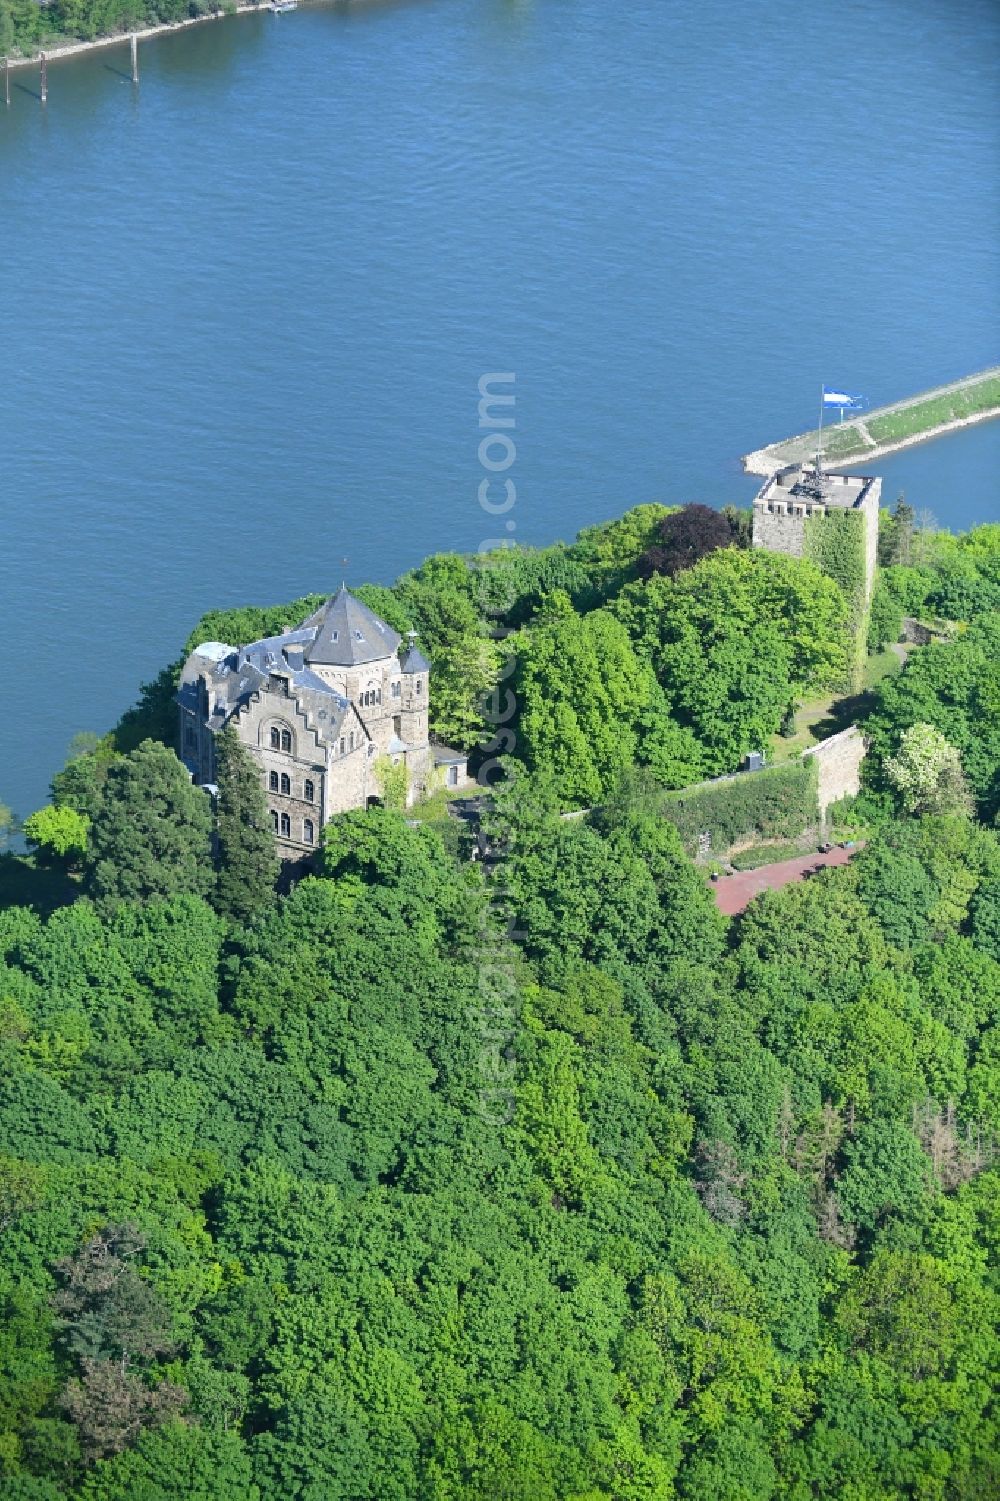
point(245, 308)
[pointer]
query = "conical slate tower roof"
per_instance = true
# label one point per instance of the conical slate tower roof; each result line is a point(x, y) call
point(348, 633)
point(412, 659)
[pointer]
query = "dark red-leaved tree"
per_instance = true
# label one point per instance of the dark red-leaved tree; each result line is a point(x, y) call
point(687, 536)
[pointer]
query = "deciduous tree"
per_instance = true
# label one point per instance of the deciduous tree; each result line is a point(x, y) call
point(685, 537)
point(151, 831)
point(248, 862)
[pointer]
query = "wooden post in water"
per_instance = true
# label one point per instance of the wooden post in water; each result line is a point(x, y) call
point(44, 75)
point(6, 81)
point(135, 58)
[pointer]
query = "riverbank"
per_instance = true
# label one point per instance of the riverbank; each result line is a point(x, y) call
point(889, 429)
point(121, 38)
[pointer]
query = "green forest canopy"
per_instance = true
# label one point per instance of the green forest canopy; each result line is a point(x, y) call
point(551, 1187)
point(26, 25)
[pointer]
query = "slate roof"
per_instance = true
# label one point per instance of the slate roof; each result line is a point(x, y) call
point(348, 633)
point(232, 678)
point(445, 756)
point(412, 659)
point(342, 633)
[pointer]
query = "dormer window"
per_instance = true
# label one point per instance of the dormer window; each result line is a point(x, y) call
point(359, 636)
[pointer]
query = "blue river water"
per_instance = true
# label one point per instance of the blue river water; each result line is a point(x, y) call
point(246, 306)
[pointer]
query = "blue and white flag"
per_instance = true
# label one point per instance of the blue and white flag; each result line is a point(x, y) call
point(841, 399)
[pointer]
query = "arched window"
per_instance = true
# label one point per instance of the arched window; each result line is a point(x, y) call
point(286, 784)
point(274, 820)
point(286, 826)
point(272, 781)
point(343, 745)
point(275, 739)
point(351, 739)
point(308, 831)
point(309, 791)
point(286, 740)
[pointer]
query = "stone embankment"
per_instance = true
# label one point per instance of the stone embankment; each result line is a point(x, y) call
point(885, 430)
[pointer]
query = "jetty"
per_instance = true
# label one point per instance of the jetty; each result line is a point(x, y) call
point(887, 429)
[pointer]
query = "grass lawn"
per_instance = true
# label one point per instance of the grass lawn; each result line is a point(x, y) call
point(819, 718)
point(808, 715)
point(839, 442)
point(772, 854)
point(884, 664)
point(940, 409)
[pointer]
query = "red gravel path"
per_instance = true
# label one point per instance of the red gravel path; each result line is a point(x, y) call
point(735, 893)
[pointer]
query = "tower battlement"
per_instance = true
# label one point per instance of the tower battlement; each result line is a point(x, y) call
point(791, 499)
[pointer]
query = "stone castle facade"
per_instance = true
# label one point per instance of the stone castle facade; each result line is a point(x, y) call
point(790, 498)
point(322, 708)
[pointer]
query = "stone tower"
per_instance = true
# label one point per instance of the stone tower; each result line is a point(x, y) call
point(831, 519)
point(793, 505)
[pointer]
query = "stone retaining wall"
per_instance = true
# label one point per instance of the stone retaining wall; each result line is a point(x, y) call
point(838, 763)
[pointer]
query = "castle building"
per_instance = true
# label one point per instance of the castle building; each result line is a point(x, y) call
point(322, 708)
point(796, 496)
